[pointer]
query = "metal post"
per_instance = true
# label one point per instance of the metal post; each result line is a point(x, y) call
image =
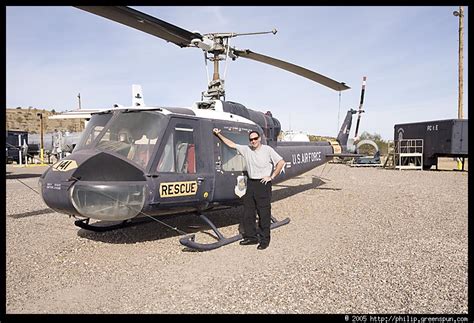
point(26, 152)
point(41, 132)
point(19, 150)
point(79, 97)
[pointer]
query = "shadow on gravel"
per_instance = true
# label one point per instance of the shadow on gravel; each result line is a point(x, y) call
point(288, 191)
point(150, 230)
point(21, 176)
point(447, 170)
point(31, 213)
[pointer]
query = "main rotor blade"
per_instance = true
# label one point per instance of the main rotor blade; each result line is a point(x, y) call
point(338, 86)
point(143, 22)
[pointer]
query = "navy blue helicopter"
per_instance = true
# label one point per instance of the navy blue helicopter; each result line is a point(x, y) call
point(147, 161)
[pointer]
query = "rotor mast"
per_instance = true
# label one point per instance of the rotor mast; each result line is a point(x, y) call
point(215, 88)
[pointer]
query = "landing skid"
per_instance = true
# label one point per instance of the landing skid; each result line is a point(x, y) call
point(189, 241)
point(84, 223)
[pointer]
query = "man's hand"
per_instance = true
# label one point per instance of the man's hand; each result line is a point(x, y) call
point(265, 180)
point(226, 141)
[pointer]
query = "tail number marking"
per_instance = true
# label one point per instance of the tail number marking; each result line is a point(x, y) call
point(64, 165)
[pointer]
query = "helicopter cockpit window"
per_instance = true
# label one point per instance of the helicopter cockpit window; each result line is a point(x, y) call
point(179, 152)
point(166, 163)
point(94, 128)
point(231, 160)
point(132, 135)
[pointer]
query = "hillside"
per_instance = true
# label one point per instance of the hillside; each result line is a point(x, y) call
point(25, 119)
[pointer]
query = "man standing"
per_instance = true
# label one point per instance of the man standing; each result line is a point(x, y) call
point(260, 160)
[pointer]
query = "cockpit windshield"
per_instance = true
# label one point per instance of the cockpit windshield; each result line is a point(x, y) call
point(132, 134)
point(93, 129)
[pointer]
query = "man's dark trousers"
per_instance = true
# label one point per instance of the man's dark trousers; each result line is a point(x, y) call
point(258, 197)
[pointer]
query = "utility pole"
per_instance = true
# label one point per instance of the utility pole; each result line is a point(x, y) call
point(460, 14)
point(79, 97)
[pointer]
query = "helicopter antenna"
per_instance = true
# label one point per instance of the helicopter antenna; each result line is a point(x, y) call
point(214, 43)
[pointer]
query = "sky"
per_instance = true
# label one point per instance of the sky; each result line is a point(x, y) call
point(408, 54)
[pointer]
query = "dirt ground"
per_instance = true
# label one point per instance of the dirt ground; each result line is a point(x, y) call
point(445, 163)
point(360, 240)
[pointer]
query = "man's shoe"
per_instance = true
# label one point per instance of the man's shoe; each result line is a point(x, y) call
point(263, 246)
point(248, 241)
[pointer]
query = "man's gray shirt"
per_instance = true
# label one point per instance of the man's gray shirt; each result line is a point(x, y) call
point(259, 161)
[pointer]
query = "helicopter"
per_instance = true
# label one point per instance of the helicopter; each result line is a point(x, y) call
point(155, 161)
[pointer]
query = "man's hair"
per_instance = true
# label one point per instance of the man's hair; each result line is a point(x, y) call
point(254, 131)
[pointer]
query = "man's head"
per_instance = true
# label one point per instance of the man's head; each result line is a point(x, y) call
point(255, 139)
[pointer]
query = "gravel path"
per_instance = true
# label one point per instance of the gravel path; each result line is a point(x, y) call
point(360, 240)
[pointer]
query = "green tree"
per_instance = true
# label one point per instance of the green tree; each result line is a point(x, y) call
point(374, 137)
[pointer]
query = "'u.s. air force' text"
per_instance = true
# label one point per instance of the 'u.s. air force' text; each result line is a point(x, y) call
point(302, 158)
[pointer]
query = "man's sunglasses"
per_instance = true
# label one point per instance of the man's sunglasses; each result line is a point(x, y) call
point(252, 139)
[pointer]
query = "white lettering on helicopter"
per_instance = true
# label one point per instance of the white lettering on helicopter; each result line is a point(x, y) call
point(53, 186)
point(306, 157)
point(174, 189)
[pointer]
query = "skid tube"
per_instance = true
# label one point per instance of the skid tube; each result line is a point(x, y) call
point(189, 240)
point(84, 223)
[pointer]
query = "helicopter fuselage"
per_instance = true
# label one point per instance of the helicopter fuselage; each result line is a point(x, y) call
point(157, 161)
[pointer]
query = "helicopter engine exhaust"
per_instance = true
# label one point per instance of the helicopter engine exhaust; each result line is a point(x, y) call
point(271, 126)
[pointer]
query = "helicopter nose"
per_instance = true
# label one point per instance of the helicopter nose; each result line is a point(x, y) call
point(103, 187)
point(54, 186)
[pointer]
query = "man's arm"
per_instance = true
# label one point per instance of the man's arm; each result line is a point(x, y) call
point(275, 173)
point(278, 168)
point(225, 140)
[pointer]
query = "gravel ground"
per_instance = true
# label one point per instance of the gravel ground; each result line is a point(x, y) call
point(360, 240)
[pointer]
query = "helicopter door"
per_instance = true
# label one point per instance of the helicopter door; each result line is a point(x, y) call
point(231, 171)
point(182, 176)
